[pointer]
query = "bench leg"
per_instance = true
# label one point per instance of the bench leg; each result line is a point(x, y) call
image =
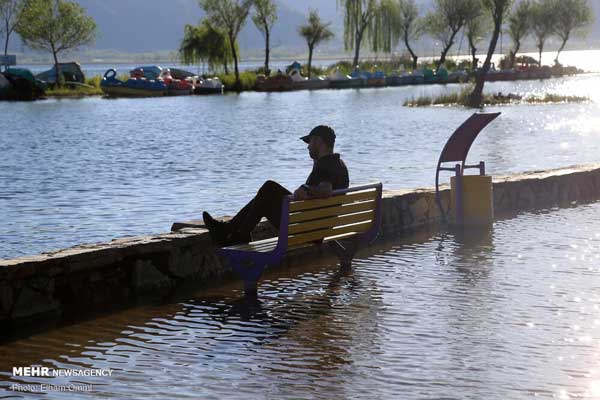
point(250, 272)
point(251, 288)
point(345, 252)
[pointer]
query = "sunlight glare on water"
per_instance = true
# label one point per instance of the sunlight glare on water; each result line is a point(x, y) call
point(507, 313)
point(90, 170)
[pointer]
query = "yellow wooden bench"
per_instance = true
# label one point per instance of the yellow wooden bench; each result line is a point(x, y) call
point(352, 215)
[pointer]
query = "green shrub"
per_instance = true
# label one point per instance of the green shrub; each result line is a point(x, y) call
point(260, 70)
point(466, 64)
point(344, 66)
point(247, 80)
point(314, 71)
point(95, 81)
point(399, 63)
point(74, 91)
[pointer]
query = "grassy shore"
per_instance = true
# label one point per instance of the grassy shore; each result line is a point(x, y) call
point(69, 90)
point(462, 99)
point(248, 80)
point(72, 91)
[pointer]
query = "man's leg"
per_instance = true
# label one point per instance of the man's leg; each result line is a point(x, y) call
point(266, 203)
point(241, 215)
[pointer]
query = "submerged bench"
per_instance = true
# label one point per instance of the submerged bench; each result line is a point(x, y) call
point(345, 220)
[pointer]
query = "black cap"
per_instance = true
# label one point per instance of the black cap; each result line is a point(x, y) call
point(324, 132)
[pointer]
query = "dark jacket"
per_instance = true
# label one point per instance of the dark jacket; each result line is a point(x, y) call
point(329, 168)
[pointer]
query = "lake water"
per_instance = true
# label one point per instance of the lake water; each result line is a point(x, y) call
point(89, 170)
point(500, 314)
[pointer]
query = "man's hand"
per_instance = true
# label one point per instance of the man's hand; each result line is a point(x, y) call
point(301, 194)
point(305, 192)
point(323, 190)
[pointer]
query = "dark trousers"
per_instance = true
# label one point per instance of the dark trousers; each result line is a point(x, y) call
point(266, 203)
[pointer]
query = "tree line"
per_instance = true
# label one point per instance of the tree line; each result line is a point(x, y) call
point(55, 26)
point(381, 25)
point(386, 23)
point(214, 39)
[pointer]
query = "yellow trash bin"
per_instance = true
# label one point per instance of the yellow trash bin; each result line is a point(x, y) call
point(477, 198)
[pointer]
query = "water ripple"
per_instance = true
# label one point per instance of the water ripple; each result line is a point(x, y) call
point(90, 170)
point(503, 313)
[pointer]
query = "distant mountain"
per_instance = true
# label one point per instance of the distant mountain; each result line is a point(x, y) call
point(596, 30)
point(151, 25)
point(135, 26)
point(327, 9)
point(142, 25)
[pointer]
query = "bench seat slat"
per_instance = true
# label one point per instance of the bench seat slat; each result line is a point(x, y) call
point(263, 246)
point(252, 246)
point(299, 239)
point(331, 222)
point(353, 214)
point(259, 245)
point(332, 211)
point(369, 194)
point(324, 233)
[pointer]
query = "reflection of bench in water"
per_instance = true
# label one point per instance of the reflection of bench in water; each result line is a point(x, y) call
point(345, 220)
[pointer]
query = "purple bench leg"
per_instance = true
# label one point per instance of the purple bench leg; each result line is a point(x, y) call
point(250, 267)
point(250, 274)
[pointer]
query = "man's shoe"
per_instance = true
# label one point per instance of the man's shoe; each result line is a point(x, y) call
point(210, 222)
point(218, 230)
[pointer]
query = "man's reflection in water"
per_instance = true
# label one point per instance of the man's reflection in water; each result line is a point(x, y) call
point(308, 302)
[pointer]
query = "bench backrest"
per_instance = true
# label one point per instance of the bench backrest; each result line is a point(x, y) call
point(348, 212)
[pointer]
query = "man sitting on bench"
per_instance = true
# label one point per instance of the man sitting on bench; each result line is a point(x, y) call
point(329, 173)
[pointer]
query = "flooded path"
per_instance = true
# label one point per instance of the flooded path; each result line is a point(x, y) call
point(509, 313)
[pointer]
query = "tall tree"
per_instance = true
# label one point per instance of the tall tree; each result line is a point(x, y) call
point(229, 16)
point(264, 19)
point(386, 29)
point(573, 16)
point(519, 26)
point(359, 16)
point(314, 33)
point(204, 43)
point(476, 29)
point(397, 19)
point(55, 26)
point(410, 25)
point(446, 20)
point(543, 18)
point(10, 14)
point(498, 10)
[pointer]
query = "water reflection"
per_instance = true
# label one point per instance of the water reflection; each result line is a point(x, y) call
point(472, 251)
point(506, 312)
point(471, 304)
point(236, 339)
point(90, 170)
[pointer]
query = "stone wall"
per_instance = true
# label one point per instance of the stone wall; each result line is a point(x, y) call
point(87, 278)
